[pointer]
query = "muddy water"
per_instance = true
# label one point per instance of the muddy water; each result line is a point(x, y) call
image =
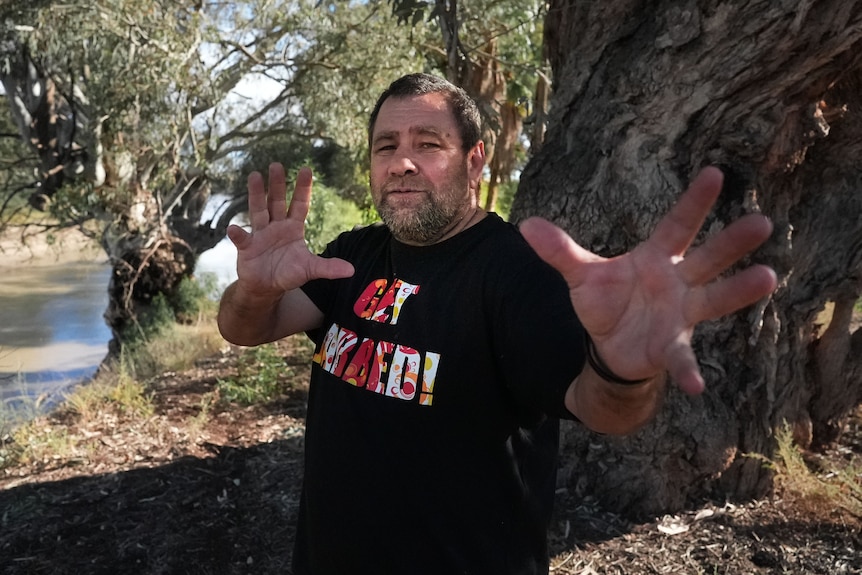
point(51, 328)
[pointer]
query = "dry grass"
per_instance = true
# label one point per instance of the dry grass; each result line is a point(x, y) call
point(173, 349)
point(838, 487)
point(40, 443)
point(812, 523)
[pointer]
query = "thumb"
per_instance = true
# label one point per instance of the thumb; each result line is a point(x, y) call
point(559, 250)
point(331, 268)
point(238, 236)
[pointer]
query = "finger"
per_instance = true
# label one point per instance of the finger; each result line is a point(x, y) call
point(676, 230)
point(331, 268)
point(682, 366)
point(724, 249)
point(300, 203)
point(275, 199)
point(558, 249)
point(726, 296)
point(238, 236)
point(258, 212)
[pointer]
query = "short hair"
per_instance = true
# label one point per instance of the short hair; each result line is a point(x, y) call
point(463, 107)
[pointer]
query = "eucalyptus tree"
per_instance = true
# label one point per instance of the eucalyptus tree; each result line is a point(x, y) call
point(645, 94)
point(137, 112)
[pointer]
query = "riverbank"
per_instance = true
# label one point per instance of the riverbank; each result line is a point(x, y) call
point(202, 485)
point(26, 245)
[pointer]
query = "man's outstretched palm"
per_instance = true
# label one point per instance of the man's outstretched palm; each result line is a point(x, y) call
point(641, 308)
point(274, 257)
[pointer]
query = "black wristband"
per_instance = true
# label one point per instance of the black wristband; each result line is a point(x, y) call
point(602, 370)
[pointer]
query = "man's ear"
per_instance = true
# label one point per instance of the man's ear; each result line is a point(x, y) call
point(476, 162)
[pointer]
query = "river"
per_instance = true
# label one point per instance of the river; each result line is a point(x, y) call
point(52, 333)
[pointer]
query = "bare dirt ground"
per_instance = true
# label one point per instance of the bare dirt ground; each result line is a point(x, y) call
point(205, 487)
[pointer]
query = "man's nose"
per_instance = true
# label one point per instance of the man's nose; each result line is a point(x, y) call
point(402, 164)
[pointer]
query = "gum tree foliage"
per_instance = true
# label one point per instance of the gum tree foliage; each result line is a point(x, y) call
point(132, 115)
point(645, 94)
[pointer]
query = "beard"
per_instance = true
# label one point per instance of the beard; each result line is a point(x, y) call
point(426, 222)
point(417, 225)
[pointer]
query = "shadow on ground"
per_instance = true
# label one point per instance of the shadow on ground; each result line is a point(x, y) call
point(230, 513)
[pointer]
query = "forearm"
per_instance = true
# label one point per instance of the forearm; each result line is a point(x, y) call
point(247, 318)
point(613, 408)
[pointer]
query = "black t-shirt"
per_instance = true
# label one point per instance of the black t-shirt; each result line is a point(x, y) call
point(437, 381)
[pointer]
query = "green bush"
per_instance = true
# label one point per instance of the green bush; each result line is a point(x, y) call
point(329, 215)
point(262, 376)
point(193, 297)
point(153, 321)
point(505, 197)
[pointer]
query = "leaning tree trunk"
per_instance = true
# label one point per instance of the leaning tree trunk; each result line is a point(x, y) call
point(645, 94)
point(154, 241)
point(144, 263)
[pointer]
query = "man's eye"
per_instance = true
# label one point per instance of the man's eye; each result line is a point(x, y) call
point(430, 145)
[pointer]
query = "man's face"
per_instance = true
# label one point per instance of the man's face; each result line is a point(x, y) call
point(422, 182)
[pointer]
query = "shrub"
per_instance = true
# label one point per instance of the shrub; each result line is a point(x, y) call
point(193, 297)
point(328, 216)
point(262, 376)
point(819, 492)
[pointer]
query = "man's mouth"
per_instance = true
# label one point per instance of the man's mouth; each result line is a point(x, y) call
point(404, 191)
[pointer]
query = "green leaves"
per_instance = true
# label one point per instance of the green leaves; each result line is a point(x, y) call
point(262, 376)
point(168, 89)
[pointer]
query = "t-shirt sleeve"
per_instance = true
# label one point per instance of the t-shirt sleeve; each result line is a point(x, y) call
point(538, 339)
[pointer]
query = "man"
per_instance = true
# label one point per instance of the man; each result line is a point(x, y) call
point(447, 345)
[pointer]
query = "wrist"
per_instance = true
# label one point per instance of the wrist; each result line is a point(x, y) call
point(602, 369)
point(252, 296)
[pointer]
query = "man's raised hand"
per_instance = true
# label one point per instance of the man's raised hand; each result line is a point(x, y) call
point(641, 308)
point(274, 257)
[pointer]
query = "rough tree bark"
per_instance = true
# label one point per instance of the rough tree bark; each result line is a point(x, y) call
point(645, 94)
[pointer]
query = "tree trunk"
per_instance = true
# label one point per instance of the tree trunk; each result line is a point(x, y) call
point(502, 163)
point(155, 242)
point(142, 268)
point(645, 94)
